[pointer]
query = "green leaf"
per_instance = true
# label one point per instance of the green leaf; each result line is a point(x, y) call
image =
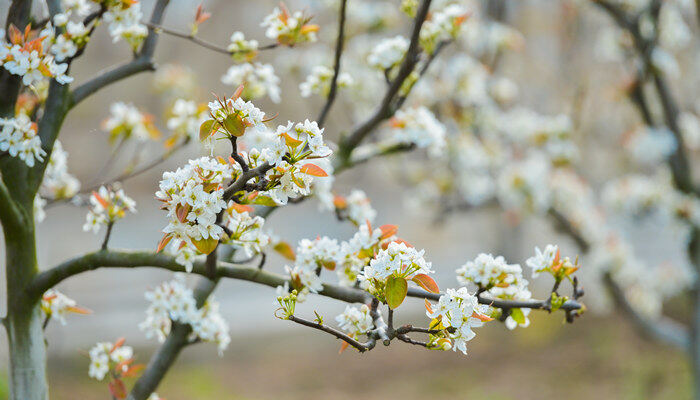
point(234, 125)
point(284, 249)
point(557, 301)
point(265, 201)
point(205, 130)
point(517, 315)
point(395, 292)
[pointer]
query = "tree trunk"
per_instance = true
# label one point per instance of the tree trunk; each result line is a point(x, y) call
point(694, 254)
point(24, 316)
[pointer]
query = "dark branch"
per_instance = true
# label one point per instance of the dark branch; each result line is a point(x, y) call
point(336, 66)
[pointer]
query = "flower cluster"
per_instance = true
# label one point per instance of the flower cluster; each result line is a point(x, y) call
point(126, 121)
point(124, 18)
point(443, 25)
point(107, 205)
point(242, 50)
point(454, 316)
point(106, 357)
point(355, 321)
point(56, 306)
point(289, 28)
point(388, 53)
point(357, 252)
point(19, 138)
point(172, 302)
point(499, 280)
point(28, 56)
point(551, 262)
point(420, 127)
point(58, 183)
point(356, 207)
point(319, 81)
point(245, 230)
point(193, 196)
point(185, 118)
point(259, 79)
point(397, 263)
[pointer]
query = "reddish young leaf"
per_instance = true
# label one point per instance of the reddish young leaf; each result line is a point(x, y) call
point(313, 169)
point(163, 242)
point(388, 230)
point(284, 249)
point(238, 91)
point(343, 346)
point(426, 283)
point(484, 318)
point(100, 199)
point(339, 202)
point(117, 388)
point(79, 310)
point(119, 343)
point(428, 306)
point(134, 370)
point(241, 208)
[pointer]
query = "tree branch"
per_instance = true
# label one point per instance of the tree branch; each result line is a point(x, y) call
point(142, 62)
point(194, 39)
point(663, 329)
point(336, 67)
point(385, 108)
point(361, 347)
point(126, 259)
point(167, 353)
point(240, 183)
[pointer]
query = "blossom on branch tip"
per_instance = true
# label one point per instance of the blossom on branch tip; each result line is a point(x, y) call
point(289, 28)
point(107, 205)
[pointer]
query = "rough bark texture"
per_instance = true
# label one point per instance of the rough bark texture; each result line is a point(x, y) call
point(24, 318)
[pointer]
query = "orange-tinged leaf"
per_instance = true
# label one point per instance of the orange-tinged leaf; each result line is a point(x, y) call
point(100, 199)
point(329, 265)
point(399, 240)
point(340, 202)
point(388, 230)
point(117, 388)
point(182, 212)
point(290, 141)
point(163, 242)
point(426, 283)
point(395, 292)
point(482, 317)
point(205, 246)
point(241, 208)
point(343, 347)
point(120, 367)
point(313, 169)
point(134, 370)
point(79, 310)
point(284, 249)
point(428, 306)
point(119, 343)
point(238, 91)
point(309, 28)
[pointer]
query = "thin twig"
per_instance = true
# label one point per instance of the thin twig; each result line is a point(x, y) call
point(201, 42)
point(361, 347)
point(336, 66)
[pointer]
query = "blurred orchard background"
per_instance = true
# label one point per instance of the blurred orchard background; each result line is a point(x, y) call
point(600, 356)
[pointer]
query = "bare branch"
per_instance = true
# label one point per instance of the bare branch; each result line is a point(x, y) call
point(244, 178)
point(194, 39)
point(385, 108)
point(663, 329)
point(336, 66)
point(361, 347)
point(142, 62)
